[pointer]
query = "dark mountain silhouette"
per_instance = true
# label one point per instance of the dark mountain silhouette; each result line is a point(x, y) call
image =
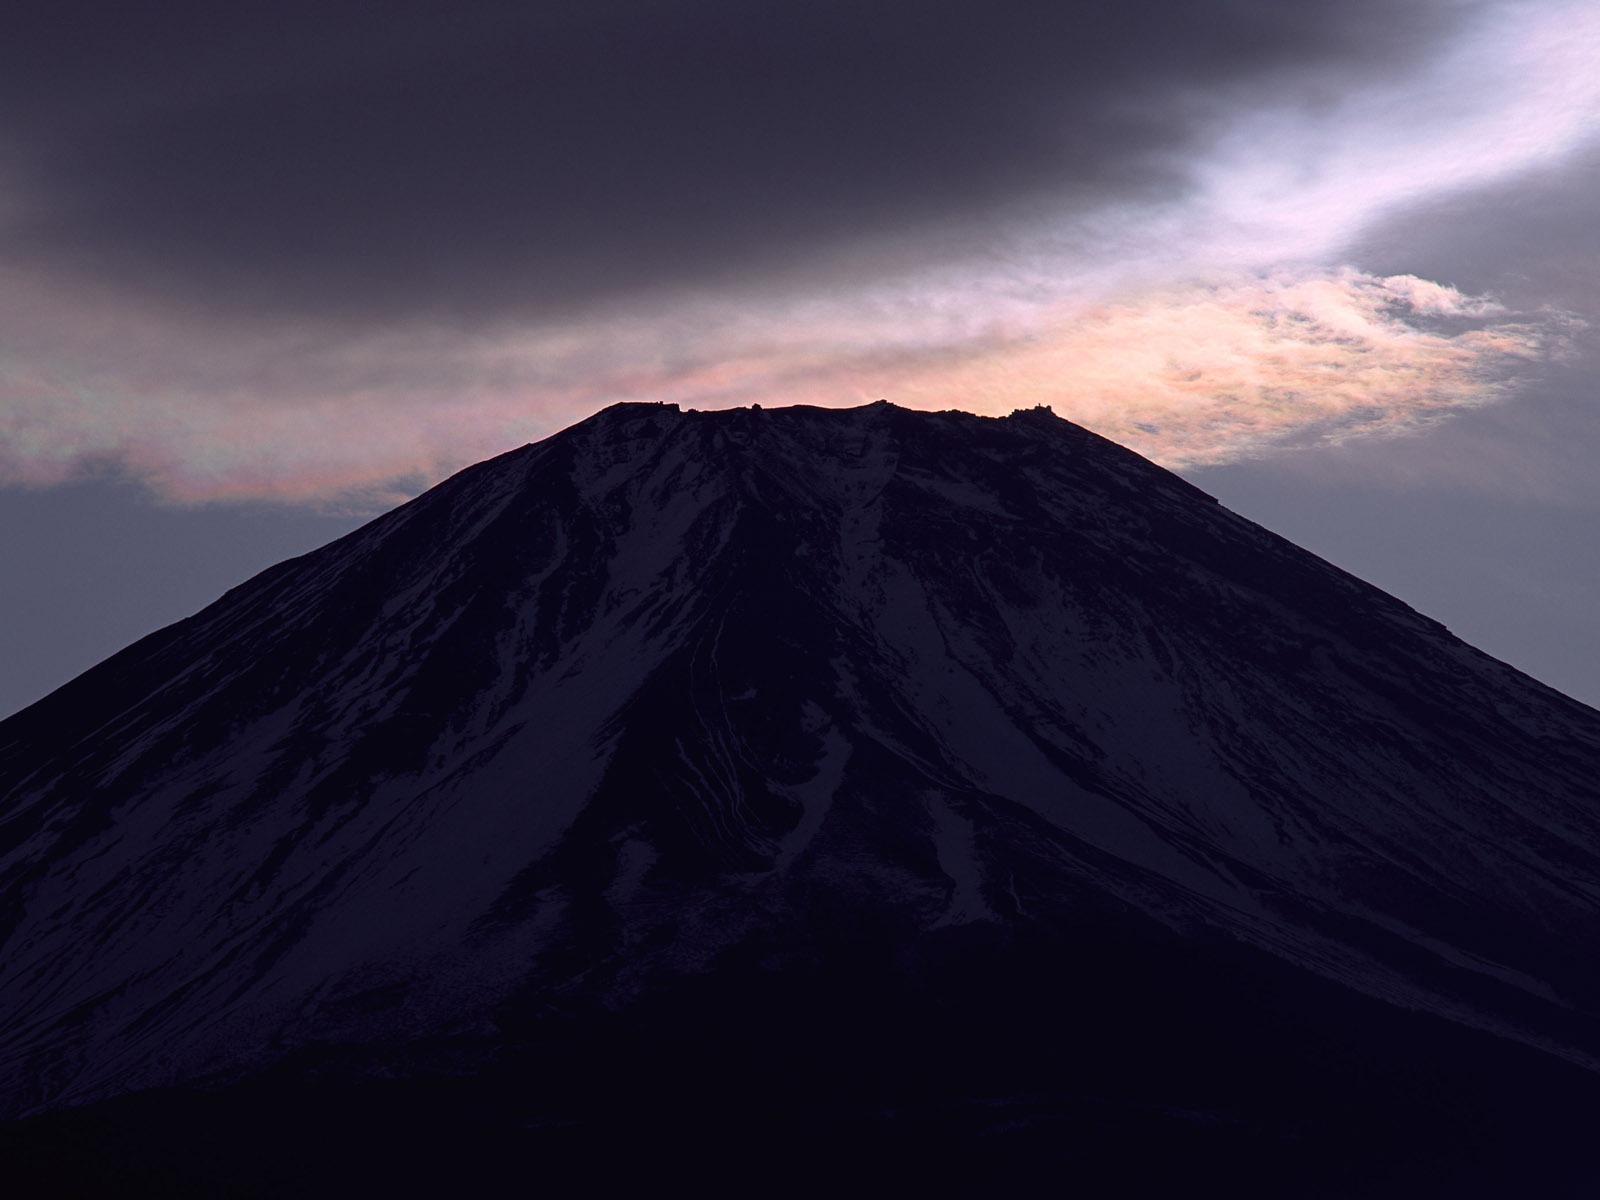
point(803, 799)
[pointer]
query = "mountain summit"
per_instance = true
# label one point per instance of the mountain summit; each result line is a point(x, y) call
point(910, 775)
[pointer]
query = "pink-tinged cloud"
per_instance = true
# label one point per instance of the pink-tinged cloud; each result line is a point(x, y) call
point(1216, 373)
point(1187, 375)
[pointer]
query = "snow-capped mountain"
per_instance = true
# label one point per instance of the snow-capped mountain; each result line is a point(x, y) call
point(789, 696)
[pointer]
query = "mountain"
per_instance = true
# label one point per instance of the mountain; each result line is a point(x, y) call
point(969, 793)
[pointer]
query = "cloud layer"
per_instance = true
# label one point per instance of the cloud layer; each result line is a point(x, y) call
point(314, 256)
point(1188, 375)
point(385, 162)
point(1212, 374)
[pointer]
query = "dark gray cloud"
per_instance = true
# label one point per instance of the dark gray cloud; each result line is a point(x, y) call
point(374, 159)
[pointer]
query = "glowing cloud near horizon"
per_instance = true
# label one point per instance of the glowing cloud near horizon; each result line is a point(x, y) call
point(1216, 373)
point(1188, 375)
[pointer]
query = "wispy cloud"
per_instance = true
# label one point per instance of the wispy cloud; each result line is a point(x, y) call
point(1193, 374)
point(1229, 370)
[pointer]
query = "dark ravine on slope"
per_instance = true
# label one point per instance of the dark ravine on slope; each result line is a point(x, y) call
point(831, 799)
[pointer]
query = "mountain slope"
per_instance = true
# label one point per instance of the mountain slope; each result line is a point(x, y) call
point(805, 694)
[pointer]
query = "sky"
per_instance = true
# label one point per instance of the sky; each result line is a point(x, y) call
point(267, 269)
